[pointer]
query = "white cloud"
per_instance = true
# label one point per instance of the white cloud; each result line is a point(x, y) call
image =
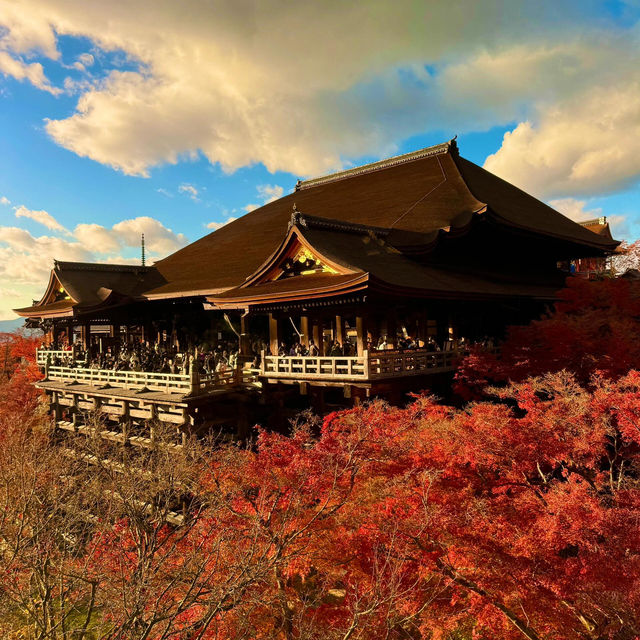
point(20, 70)
point(42, 217)
point(575, 209)
point(217, 225)
point(268, 193)
point(567, 154)
point(585, 145)
point(578, 211)
point(225, 79)
point(97, 238)
point(158, 239)
point(84, 60)
point(165, 193)
point(571, 82)
point(4, 200)
point(189, 190)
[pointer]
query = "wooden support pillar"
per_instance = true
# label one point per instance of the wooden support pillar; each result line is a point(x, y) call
point(57, 409)
point(392, 330)
point(318, 335)
point(361, 334)
point(452, 328)
point(423, 327)
point(85, 335)
point(125, 422)
point(69, 334)
point(245, 336)
point(339, 330)
point(274, 334)
point(146, 332)
point(213, 328)
point(374, 330)
point(304, 329)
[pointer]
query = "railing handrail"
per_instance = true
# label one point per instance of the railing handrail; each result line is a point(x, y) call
point(152, 380)
point(368, 366)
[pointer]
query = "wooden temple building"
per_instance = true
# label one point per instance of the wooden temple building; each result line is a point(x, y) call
point(425, 249)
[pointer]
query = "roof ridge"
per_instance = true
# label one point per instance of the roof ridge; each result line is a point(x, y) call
point(100, 266)
point(602, 220)
point(317, 222)
point(437, 149)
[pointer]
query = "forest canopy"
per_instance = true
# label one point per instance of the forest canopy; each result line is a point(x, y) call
point(512, 516)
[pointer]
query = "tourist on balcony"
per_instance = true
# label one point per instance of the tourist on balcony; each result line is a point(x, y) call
point(348, 349)
point(336, 349)
point(313, 349)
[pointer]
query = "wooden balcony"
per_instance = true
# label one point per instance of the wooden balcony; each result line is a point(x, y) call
point(167, 383)
point(371, 366)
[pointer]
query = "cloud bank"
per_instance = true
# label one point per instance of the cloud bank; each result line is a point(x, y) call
point(305, 87)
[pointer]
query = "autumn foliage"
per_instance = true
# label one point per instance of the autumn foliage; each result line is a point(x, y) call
point(593, 327)
point(515, 516)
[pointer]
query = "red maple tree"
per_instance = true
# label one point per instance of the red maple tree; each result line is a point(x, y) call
point(592, 328)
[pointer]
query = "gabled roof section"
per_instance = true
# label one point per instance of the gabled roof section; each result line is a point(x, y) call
point(362, 259)
point(59, 309)
point(88, 286)
point(600, 226)
point(296, 257)
point(517, 209)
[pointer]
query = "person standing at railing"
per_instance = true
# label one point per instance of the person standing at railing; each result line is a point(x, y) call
point(336, 349)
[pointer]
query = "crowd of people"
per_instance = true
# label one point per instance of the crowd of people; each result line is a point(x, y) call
point(155, 358)
point(334, 348)
point(224, 356)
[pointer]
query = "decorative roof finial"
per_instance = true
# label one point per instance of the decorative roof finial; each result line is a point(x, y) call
point(453, 145)
point(142, 248)
point(295, 216)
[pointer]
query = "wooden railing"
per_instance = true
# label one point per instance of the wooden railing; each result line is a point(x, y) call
point(145, 380)
point(369, 366)
point(314, 367)
point(43, 354)
point(389, 364)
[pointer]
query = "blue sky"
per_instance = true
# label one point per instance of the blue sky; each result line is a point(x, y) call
point(118, 118)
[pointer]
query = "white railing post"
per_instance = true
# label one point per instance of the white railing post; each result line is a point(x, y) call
point(365, 363)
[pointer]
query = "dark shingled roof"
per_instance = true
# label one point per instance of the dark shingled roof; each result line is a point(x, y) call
point(599, 226)
point(92, 285)
point(53, 309)
point(414, 196)
point(364, 252)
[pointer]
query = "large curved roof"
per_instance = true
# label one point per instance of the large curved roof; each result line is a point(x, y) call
point(415, 196)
